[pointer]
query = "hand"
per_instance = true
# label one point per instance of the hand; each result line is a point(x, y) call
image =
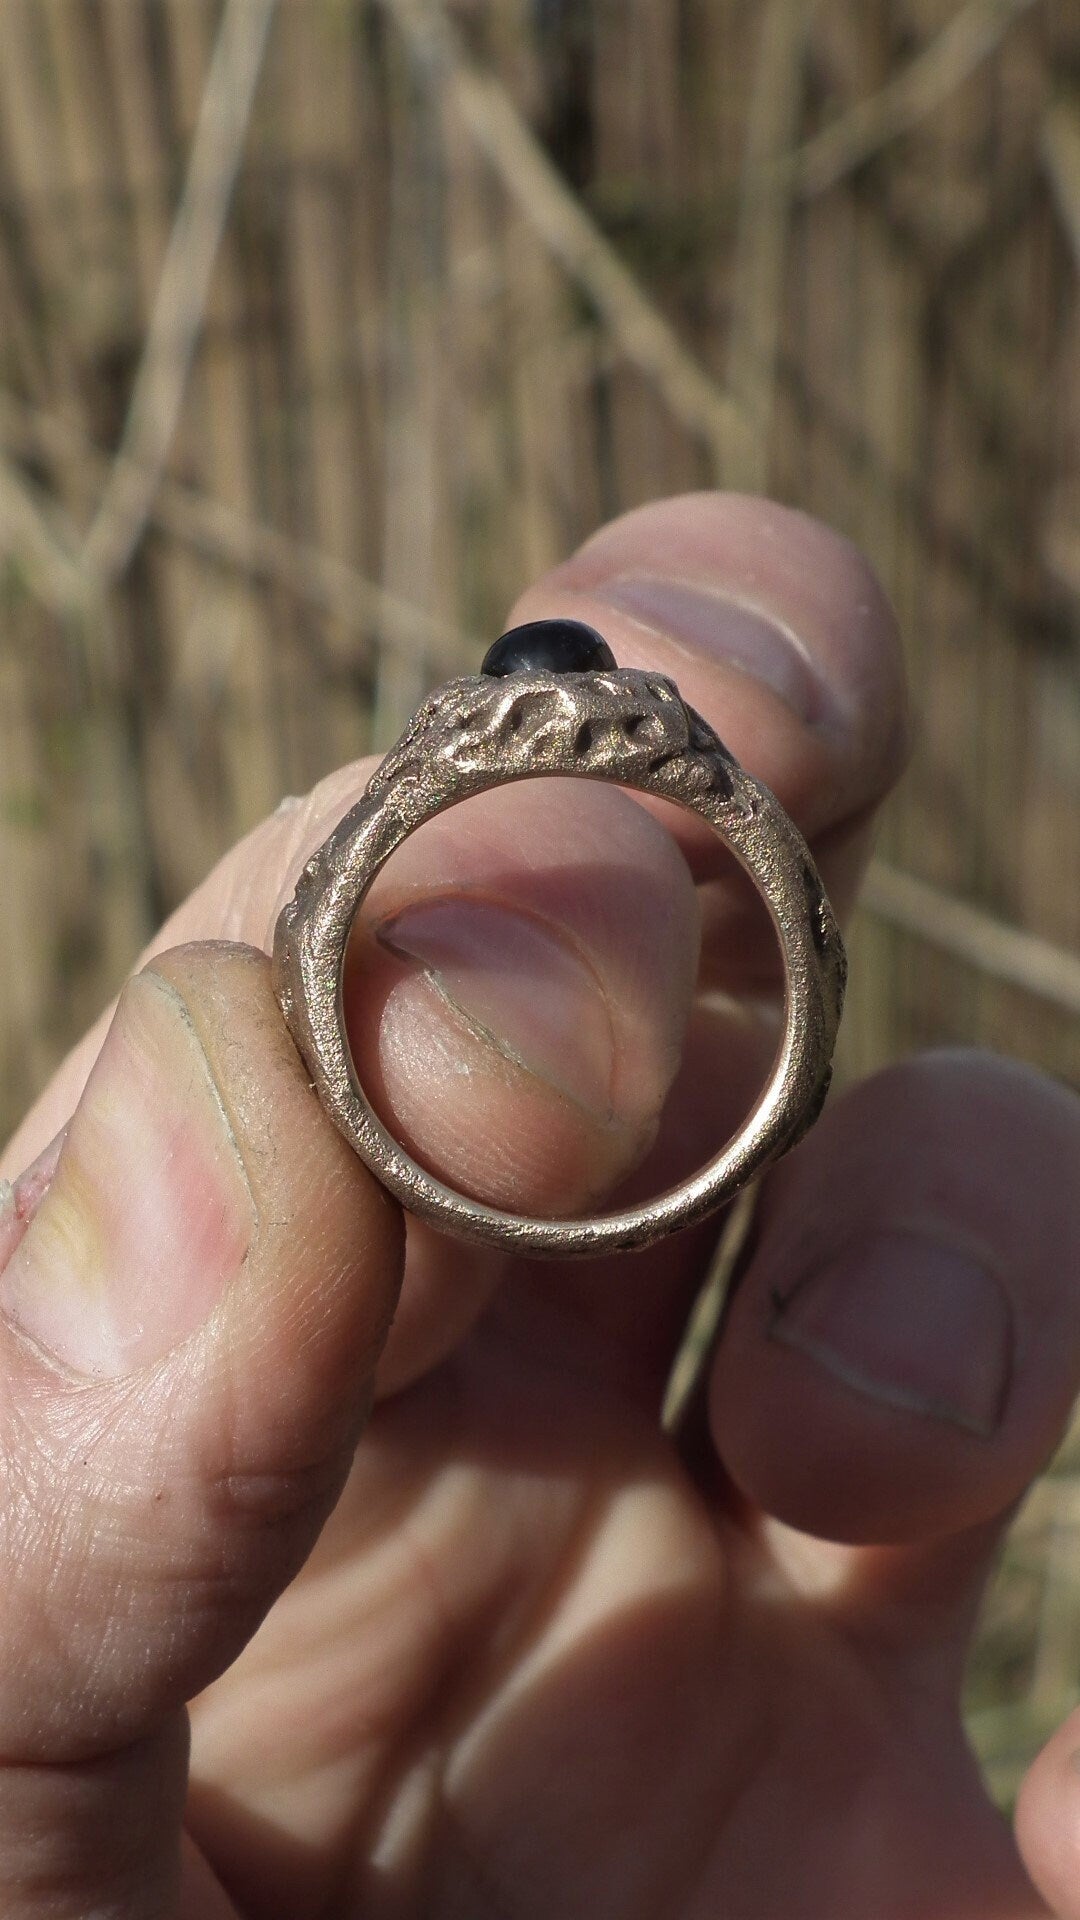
point(514, 1655)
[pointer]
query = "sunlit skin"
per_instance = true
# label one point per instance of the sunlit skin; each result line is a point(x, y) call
point(462, 1632)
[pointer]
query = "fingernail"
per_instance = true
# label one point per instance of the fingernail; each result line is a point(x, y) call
point(149, 1214)
point(707, 621)
point(521, 985)
point(910, 1321)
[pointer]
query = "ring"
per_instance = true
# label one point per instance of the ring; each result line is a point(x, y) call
point(550, 700)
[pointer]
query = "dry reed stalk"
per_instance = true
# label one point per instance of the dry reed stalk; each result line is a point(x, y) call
point(886, 383)
point(34, 541)
point(104, 889)
point(967, 40)
point(234, 541)
point(22, 354)
point(760, 253)
point(941, 836)
point(490, 255)
point(1060, 149)
point(411, 556)
point(635, 94)
point(364, 264)
point(317, 109)
point(476, 427)
point(541, 400)
point(85, 131)
point(703, 1324)
point(183, 285)
point(636, 134)
point(144, 164)
point(114, 872)
point(1003, 953)
point(1056, 1661)
point(38, 538)
point(1002, 290)
point(159, 599)
point(319, 722)
point(37, 182)
point(824, 295)
point(212, 759)
point(695, 400)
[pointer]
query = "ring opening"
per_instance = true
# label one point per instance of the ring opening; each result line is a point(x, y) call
point(555, 1006)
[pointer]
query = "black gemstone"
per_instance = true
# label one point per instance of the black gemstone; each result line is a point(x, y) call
point(549, 646)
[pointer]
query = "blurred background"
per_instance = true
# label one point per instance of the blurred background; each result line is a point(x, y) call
point(326, 324)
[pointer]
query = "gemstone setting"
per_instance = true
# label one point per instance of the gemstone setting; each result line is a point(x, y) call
point(549, 646)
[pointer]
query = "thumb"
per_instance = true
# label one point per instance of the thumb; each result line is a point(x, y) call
point(191, 1323)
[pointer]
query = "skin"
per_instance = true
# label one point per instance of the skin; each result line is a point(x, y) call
point(512, 1652)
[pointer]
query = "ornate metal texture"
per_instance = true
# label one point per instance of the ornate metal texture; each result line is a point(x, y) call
point(625, 726)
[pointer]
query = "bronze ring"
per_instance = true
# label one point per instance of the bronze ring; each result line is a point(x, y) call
point(527, 714)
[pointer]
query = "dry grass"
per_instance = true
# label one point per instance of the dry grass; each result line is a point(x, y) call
point(316, 344)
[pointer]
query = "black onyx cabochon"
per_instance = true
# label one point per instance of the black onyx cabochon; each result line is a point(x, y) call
point(549, 646)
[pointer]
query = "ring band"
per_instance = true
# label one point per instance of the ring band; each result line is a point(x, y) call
point(607, 723)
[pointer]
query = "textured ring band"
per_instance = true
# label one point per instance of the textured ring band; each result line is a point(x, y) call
point(607, 723)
